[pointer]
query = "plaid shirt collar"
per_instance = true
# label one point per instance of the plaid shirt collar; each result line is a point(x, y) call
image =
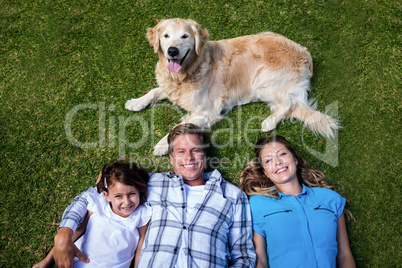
point(205, 237)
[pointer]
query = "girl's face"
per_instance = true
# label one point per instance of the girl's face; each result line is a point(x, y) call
point(279, 164)
point(124, 199)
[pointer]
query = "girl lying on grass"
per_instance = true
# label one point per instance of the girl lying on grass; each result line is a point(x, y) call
point(117, 220)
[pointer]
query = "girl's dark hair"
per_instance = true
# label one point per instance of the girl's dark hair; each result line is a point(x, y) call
point(129, 174)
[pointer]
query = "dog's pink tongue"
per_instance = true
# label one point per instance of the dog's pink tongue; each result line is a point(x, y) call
point(174, 66)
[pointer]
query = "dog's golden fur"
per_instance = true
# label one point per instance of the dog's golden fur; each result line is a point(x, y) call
point(206, 77)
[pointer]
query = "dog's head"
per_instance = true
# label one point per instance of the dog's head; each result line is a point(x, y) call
point(178, 41)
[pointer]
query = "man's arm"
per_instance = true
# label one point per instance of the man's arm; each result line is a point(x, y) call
point(50, 256)
point(242, 253)
point(75, 213)
point(64, 249)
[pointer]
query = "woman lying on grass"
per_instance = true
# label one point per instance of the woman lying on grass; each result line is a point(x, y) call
point(298, 219)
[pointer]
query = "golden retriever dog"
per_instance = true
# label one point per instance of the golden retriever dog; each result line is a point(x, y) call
point(208, 77)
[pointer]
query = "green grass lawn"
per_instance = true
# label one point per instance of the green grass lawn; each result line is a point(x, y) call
point(67, 68)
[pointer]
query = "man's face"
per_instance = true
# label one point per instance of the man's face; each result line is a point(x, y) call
point(188, 159)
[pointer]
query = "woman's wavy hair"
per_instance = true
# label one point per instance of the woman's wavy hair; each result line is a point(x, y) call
point(253, 181)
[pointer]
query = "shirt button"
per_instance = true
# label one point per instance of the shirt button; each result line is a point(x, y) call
point(183, 206)
point(184, 227)
point(182, 189)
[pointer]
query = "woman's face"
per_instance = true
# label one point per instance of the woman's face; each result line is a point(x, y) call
point(278, 163)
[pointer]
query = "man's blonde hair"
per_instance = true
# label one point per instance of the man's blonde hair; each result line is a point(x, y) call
point(183, 129)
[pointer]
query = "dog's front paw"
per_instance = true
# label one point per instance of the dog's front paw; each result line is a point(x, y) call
point(268, 124)
point(161, 148)
point(135, 105)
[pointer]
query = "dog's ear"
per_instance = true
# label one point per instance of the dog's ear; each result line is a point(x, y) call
point(201, 37)
point(153, 36)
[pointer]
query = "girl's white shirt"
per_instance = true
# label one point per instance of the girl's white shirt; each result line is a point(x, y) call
point(110, 240)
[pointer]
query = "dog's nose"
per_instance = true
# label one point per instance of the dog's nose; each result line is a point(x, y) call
point(173, 51)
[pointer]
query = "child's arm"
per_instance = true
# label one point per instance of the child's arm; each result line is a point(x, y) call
point(45, 262)
point(141, 231)
point(81, 229)
point(48, 260)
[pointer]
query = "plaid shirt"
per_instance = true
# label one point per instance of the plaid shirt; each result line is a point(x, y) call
point(219, 234)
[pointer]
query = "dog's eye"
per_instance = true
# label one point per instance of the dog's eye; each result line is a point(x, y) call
point(166, 36)
point(184, 36)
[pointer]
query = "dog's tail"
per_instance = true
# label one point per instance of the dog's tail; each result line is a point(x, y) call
point(319, 123)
